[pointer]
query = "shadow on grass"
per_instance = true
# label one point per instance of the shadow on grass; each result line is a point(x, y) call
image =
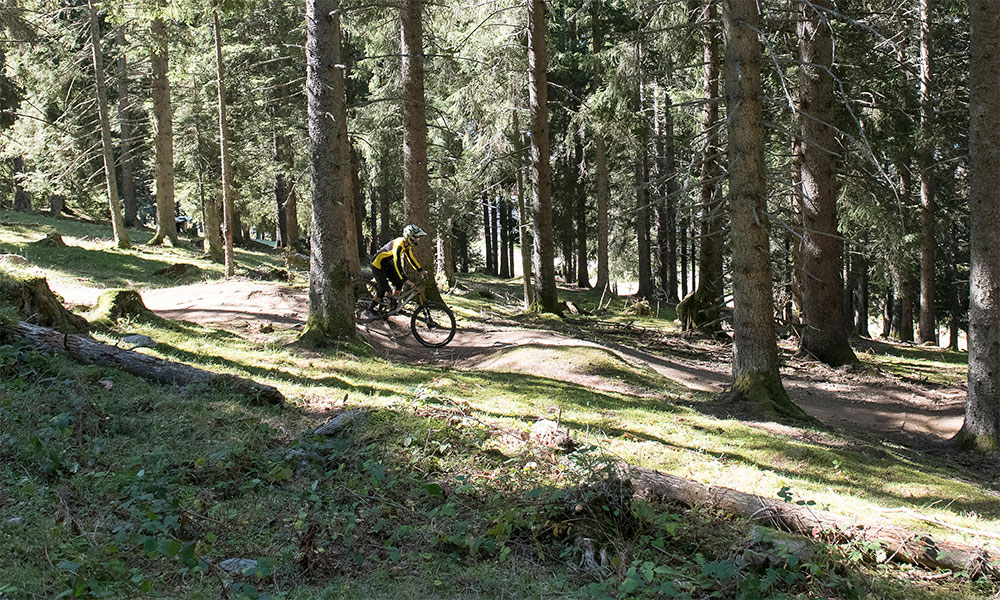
point(912, 352)
point(875, 478)
point(108, 267)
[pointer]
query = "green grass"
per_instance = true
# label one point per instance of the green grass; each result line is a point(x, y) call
point(115, 486)
point(92, 261)
point(917, 363)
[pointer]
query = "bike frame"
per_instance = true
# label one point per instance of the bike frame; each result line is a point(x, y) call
point(413, 292)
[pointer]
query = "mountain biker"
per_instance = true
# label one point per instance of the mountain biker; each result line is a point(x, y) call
point(387, 266)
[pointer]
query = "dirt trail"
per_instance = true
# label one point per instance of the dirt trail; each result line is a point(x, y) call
point(871, 404)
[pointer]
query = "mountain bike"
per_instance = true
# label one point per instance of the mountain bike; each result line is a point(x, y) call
point(432, 323)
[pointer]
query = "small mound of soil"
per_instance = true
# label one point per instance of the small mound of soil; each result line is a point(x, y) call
point(591, 367)
point(178, 271)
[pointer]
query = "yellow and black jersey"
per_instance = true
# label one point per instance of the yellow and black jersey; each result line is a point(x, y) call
point(394, 252)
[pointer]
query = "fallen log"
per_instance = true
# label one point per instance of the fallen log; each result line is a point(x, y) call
point(88, 350)
point(900, 544)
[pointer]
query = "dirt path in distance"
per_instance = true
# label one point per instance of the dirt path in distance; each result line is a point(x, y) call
point(873, 404)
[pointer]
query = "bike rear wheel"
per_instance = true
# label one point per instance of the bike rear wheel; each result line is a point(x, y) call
point(433, 324)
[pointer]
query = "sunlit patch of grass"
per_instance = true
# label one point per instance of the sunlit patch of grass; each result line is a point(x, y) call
point(92, 261)
point(937, 366)
point(360, 515)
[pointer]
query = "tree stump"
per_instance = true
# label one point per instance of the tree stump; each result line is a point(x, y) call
point(700, 311)
point(52, 240)
point(178, 271)
point(116, 304)
point(33, 301)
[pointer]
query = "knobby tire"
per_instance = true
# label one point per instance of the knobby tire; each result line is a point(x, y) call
point(433, 324)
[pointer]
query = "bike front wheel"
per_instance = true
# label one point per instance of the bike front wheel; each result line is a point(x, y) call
point(433, 324)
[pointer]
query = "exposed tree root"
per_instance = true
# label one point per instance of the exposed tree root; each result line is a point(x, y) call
point(900, 544)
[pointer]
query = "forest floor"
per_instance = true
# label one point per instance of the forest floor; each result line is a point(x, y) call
point(909, 407)
point(115, 486)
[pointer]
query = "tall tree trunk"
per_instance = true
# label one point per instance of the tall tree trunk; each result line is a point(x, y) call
point(445, 253)
point(862, 297)
point(415, 185)
point(281, 186)
point(684, 255)
point(981, 430)
point(798, 239)
point(125, 127)
point(163, 136)
point(928, 318)
point(888, 314)
point(903, 313)
point(600, 161)
point(541, 170)
point(642, 190)
point(755, 349)
point(603, 202)
point(511, 228)
point(331, 294)
point(487, 237)
point(228, 203)
point(580, 191)
point(352, 224)
point(22, 200)
point(667, 212)
point(703, 308)
point(384, 226)
point(463, 248)
point(373, 211)
point(501, 213)
point(213, 231)
point(823, 337)
point(117, 221)
point(955, 309)
point(209, 208)
point(522, 237)
point(494, 237)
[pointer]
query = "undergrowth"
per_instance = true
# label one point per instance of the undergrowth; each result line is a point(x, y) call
point(113, 487)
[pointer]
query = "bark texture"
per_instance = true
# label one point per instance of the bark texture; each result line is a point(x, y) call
point(703, 308)
point(667, 207)
point(904, 545)
point(22, 200)
point(541, 169)
point(522, 237)
point(228, 203)
point(600, 162)
point(125, 129)
point(825, 334)
point(85, 349)
point(331, 294)
point(117, 221)
point(981, 430)
point(416, 191)
point(643, 256)
point(163, 136)
point(755, 350)
point(580, 190)
point(928, 315)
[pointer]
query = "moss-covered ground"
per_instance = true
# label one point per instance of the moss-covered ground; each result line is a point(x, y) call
point(112, 486)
